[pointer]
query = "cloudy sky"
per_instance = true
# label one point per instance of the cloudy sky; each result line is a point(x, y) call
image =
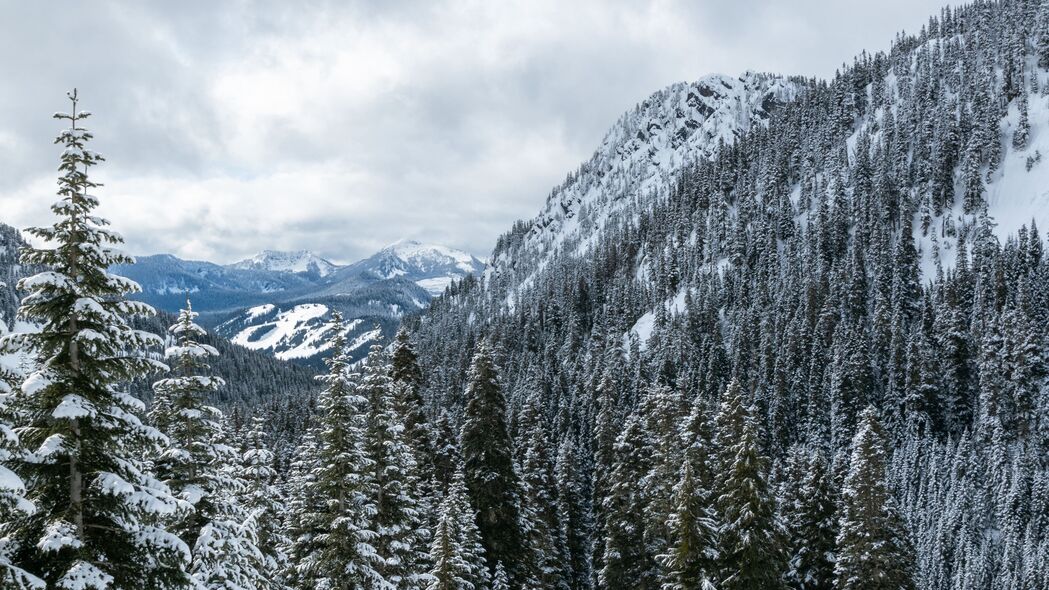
point(339, 127)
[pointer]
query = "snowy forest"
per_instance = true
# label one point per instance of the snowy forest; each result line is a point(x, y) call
point(807, 353)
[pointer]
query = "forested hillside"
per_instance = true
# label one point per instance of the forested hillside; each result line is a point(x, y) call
point(873, 246)
point(776, 333)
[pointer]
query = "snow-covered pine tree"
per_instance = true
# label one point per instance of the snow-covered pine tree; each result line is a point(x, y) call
point(662, 409)
point(753, 541)
point(469, 539)
point(573, 515)
point(450, 571)
point(306, 507)
point(692, 561)
point(446, 457)
point(1023, 127)
point(265, 505)
point(226, 555)
point(500, 580)
point(605, 430)
point(543, 532)
point(399, 521)
point(201, 467)
point(333, 546)
point(487, 451)
point(13, 504)
point(812, 524)
point(96, 502)
point(624, 558)
point(697, 437)
point(408, 380)
point(189, 464)
point(874, 552)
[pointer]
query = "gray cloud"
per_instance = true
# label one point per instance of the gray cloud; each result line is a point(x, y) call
point(236, 126)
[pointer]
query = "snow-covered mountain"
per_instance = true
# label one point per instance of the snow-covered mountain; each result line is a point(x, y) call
point(643, 151)
point(637, 163)
point(167, 280)
point(430, 266)
point(297, 328)
point(297, 261)
point(373, 294)
point(870, 242)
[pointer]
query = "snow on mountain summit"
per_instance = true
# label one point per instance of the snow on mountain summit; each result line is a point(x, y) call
point(430, 266)
point(424, 256)
point(646, 147)
point(637, 162)
point(293, 261)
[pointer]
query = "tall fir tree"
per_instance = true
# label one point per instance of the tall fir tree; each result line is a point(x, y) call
point(874, 552)
point(96, 502)
point(265, 505)
point(399, 521)
point(200, 466)
point(574, 515)
point(450, 571)
point(543, 532)
point(811, 512)
point(335, 546)
point(469, 539)
point(493, 484)
point(13, 504)
point(753, 540)
point(625, 559)
point(408, 381)
point(692, 561)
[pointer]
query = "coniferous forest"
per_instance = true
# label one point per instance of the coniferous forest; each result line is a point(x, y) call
point(806, 358)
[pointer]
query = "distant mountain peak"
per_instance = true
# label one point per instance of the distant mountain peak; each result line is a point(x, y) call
point(422, 254)
point(287, 261)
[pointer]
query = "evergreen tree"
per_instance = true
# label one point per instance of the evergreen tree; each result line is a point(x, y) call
point(200, 466)
point(335, 546)
point(500, 580)
point(873, 550)
point(190, 464)
point(752, 537)
point(625, 560)
point(545, 538)
point(1023, 127)
point(661, 409)
point(813, 526)
point(399, 519)
point(469, 539)
point(306, 507)
point(490, 477)
point(408, 381)
point(573, 515)
point(13, 504)
point(450, 571)
point(265, 505)
point(692, 560)
point(95, 499)
point(447, 457)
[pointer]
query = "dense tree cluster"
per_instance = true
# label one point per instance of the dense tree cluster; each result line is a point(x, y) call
point(809, 364)
point(842, 257)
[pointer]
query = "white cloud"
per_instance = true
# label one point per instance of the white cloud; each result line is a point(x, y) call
point(339, 127)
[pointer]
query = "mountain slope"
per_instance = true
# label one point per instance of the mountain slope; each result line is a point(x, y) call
point(372, 294)
point(868, 244)
point(430, 266)
point(638, 161)
point(299, 261)
point(166, 282)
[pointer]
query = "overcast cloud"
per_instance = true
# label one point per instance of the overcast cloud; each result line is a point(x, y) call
point(230, 127)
